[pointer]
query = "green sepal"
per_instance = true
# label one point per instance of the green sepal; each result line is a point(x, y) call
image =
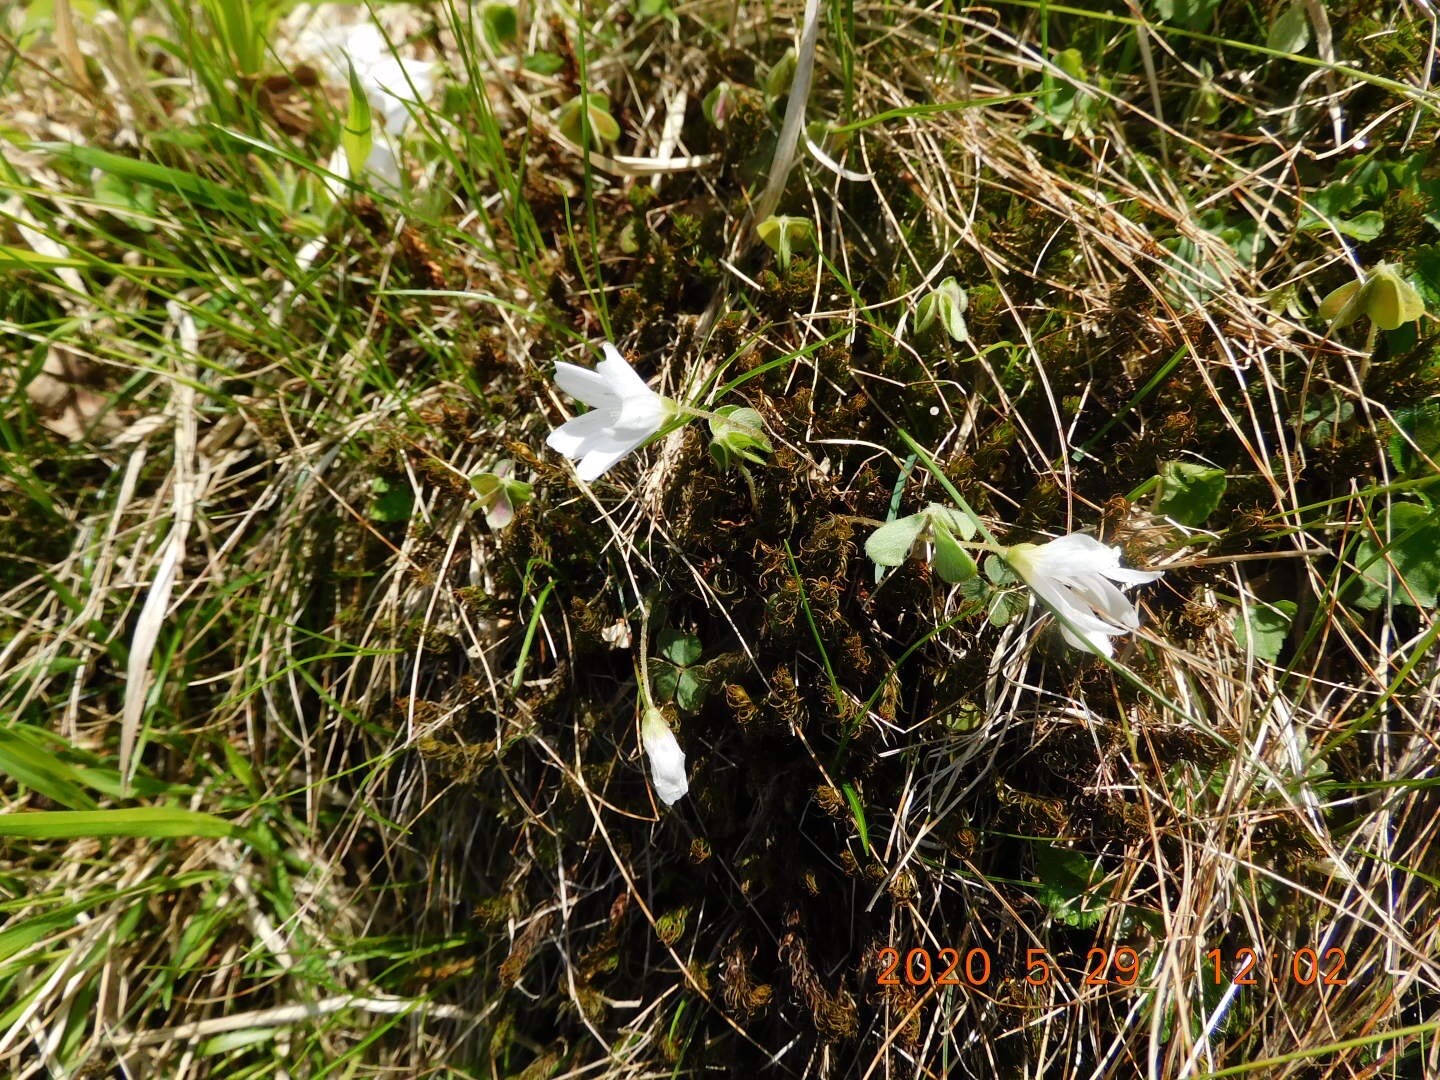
point(358, 137)
point(952, 562)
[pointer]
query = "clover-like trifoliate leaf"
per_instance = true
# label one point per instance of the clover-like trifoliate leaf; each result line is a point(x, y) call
point(738, 435)
point(959, 522)
point(680, 649)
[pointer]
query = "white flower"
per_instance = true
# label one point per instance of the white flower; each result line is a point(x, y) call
point(667, 760)
point(382, 167)
point(395, 86)
point(624, 413)
point(1074, 576)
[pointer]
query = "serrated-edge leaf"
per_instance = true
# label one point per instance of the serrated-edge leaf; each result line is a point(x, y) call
point(1069, 885)
point(890, 544)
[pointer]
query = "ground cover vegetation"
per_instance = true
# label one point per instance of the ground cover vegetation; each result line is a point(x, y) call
point(330, 693)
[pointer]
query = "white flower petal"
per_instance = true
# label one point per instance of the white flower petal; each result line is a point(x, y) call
point(585, 385)
point(1062, 602)
point(667, 760)
point(619, 375)
point(574, 437)
point(1126, 576)
point(1108, 601)
point(596, 463)
point(397, 87)
point(1098, 640)
point(626, 412)
point(1078, 553)
point(1074, 575)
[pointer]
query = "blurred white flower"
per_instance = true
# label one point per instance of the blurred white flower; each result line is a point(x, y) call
point(624, 413)
point(1073, 575)
point(667, 760)
point(395, 86)
point(382, 167)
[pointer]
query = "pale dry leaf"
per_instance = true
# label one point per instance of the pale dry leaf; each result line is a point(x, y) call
point(157, 600)
point(63, 402)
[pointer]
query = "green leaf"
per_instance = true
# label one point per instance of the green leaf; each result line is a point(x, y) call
point(1189, 492)
point(1323, 418)
point(890, 544)
point(1390, 300)
point(1004, 608)
point(38, 768)
point(1420, 425)
point(998, 572)
point(784, 234)
point(187, 185)
point(1069, 885)
point(544, 63)
point(680, 649)
point(719, 105)
point(21, 258)
point(690, 690)
point(592, 110)
point(1413, 552)
point(1364, 226)
point(947, 303)
point(1262, 627)
point(857, 811)
point(148, 821)
point(1290, 32)
point(500, 24)
point(391, 502)
point(777, 80)
point(952, 562)
point(357, 138)
point(664, 678)
point(739, 435)
point(957, 521)
point(1342, 306)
